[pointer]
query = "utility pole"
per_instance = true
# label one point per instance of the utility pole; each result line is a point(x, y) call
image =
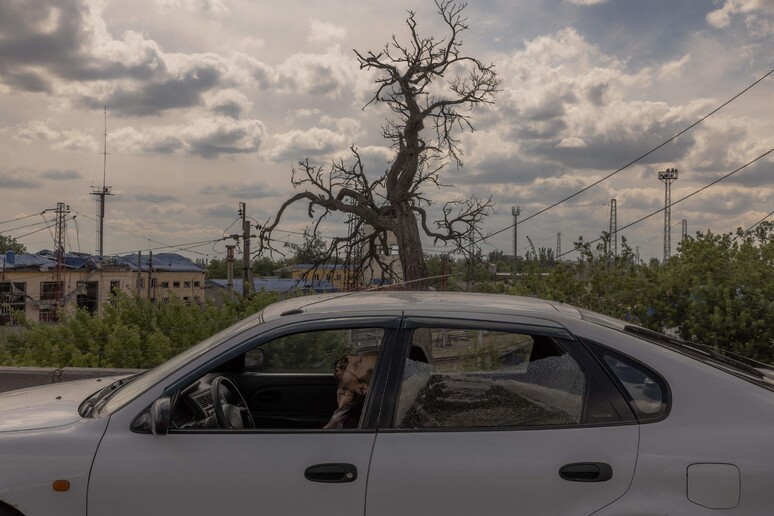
point(62, 210)
point(247, 272)
point(668, 177)
point(515, 212)
point(150, 276)
point(101, 193)
point(612, 244)
point(230, 271)
point(139, 273)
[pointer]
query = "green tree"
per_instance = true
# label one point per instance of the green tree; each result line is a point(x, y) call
point(8, 243)
point(132, 333)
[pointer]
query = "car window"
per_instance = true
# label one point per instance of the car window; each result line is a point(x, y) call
point(647, 393)
point(470, 378)
point(313, 380)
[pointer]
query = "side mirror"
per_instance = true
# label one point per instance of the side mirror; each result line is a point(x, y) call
point(160, 415)
point(256, 359)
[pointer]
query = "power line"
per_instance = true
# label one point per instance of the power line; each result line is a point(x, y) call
point(592, 185)
point(689, 195)
point(19, 218)
point(758, 223)
point(26, 225)
point(181, 247)
point(36, 231)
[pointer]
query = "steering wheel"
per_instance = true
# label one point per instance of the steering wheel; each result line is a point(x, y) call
point(229, 405)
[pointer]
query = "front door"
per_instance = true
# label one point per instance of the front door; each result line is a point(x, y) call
point(308, 393)
point(498, 422)
point(206, 474)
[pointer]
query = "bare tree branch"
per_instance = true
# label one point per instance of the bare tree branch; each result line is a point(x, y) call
point(397, 201)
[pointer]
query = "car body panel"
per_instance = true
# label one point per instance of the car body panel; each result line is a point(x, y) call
point(459, 473)
point(715, 418)
point(32, 460)
point(205, 473)
point(46, 406)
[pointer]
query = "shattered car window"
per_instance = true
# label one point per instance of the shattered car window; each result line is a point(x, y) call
point(487, 379)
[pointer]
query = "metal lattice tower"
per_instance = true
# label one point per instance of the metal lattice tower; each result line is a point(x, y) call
point(613, 235)
point(685, 230)
point(62, 211)
point(515, 212)
point(668, 177)
point(558, 246)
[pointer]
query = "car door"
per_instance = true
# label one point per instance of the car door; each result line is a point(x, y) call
point(496, 419)
point(289, 464)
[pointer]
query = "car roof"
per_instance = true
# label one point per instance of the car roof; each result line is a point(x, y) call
point(376, 302)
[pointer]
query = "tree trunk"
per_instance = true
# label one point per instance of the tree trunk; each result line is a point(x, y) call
point(412, 258)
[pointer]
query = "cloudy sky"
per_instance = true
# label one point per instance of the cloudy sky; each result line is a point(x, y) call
point(211, 102)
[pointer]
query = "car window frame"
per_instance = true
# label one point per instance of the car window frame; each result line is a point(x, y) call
point(597, 350)
point(532, 326)
point(251, 339)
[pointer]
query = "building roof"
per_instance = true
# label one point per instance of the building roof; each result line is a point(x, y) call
point(163, 262)
point(24, 260)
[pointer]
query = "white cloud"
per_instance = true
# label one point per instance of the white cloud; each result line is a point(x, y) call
point(207, 137)
point(229, 102)
point(721, 18)
point(673, 68)
point(214, 7)
point(585, 2)
point(328, 74)
point(322, 32)
point(314, 143)
point(42, 131)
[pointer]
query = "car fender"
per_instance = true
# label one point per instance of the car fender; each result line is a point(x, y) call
point(32, 460)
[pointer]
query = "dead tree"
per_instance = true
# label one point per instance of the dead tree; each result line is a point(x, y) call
point(430, 86)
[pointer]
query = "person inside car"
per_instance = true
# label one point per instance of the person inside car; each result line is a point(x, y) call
point(353, 374)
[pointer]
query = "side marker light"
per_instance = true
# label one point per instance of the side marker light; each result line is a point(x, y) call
point(61, 485)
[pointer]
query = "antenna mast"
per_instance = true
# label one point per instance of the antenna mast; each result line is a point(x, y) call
point(101, 193)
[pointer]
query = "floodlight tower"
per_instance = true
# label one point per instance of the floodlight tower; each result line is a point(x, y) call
point(668, 177)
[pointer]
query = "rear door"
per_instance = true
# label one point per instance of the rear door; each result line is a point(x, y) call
point(491, 418)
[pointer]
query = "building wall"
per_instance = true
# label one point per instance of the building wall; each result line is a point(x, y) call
point(338, 276)
point(92, 288)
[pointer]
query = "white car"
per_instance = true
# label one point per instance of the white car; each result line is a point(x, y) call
point(403, 403)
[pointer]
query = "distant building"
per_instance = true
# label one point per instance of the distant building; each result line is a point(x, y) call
point(340, 276)
point(34, 285)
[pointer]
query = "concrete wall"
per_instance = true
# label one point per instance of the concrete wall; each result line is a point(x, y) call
point(12, 378)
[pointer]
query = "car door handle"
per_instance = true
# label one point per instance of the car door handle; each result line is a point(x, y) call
point(331, 473)
point(586, 472)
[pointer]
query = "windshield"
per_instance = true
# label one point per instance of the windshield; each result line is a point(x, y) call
point(127, 392)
